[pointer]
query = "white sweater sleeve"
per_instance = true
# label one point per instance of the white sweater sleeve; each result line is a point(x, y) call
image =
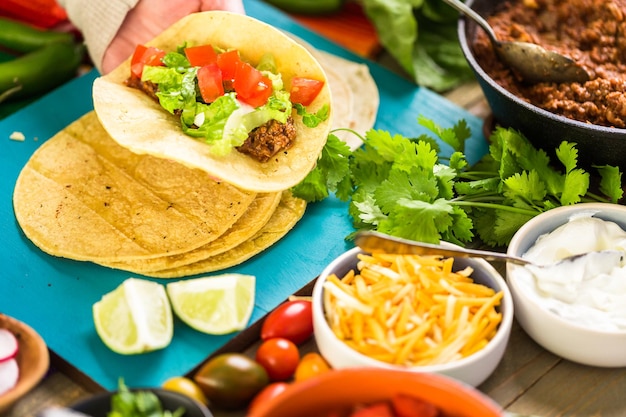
point(98, 21)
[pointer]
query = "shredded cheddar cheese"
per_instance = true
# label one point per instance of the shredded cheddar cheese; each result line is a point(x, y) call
point(411, 310)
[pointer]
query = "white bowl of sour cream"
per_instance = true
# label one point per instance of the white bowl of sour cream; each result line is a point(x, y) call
point(578, 310)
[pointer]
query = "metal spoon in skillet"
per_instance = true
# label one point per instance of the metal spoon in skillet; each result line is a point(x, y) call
point(532, 62)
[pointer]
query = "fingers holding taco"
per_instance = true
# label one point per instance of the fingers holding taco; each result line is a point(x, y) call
point(224, 93)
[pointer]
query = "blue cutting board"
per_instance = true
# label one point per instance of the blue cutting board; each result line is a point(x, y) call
point(55, 295)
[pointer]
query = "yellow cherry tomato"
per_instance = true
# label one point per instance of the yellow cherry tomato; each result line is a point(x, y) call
point(186, 387)
point(310, 365)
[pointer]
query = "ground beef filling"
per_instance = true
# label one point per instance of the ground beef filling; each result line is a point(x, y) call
point(267, 140)
point(262, 143)
point(591, 32)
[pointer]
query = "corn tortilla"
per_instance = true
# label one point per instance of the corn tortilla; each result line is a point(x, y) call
point(257, 215)
point(287, 214)
point(84, 197)
point(132, 118)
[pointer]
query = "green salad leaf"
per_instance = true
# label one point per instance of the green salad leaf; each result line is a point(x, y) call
point(421, 35)
point(403, 187)
point(212, 122)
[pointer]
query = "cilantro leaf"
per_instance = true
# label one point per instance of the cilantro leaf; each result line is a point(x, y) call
point(611, 182)
point(331, 174)
point(312, 119)
point(402, 187)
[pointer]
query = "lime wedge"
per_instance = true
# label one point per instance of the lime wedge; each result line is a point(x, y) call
point(136, 317)
point(215, 305)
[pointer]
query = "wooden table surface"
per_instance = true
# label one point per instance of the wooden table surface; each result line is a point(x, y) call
point(529, 380)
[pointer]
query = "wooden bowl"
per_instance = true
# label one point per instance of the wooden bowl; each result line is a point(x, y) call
point(32, 358)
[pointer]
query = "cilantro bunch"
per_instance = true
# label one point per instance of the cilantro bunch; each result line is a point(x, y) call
point(401, 186)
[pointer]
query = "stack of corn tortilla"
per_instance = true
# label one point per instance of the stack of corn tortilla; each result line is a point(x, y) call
point(123, 187)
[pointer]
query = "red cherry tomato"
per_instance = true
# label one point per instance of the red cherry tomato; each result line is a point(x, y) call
point(201, 55)
point(311, 364)
point(145, 55)
point(304, 90)
point(270, 391)
point(210, 82)
point(291, 320)
point(279, 357)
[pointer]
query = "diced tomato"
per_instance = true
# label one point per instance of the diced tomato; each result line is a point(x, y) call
point(408, 406)
point(145, 55)
point(304, 90)
point(380, 409)
point(210, 82)
point(251, 85)
point(228, 62)
point(201, 55)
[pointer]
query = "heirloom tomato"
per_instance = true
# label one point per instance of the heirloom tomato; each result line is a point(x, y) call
point(279, 357)
point(186, 387)
point(231, 380)
point(291, 320)
point(311, 364)
point(272, 390)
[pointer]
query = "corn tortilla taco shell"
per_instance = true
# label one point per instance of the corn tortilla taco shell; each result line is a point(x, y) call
point(354, 94)
point(137, 122)
point(285, 217)
point(257, 215)
point(84, 197)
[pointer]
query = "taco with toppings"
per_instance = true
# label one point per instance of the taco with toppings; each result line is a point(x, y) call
point(224, 93)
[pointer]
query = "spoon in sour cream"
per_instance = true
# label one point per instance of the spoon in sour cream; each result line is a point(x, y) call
point(372, 242)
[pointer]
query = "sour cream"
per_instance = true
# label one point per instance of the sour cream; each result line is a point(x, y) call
point(590, 291)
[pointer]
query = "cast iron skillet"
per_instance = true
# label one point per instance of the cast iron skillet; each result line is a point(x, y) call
point(597, 145)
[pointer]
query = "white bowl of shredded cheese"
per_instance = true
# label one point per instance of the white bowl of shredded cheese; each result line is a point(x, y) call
point(420, 314)
point(578, 309)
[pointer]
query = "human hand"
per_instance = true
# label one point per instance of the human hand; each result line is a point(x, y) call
point(149, 18)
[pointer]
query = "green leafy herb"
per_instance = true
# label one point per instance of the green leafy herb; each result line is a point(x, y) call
point(312, 119)
point(330, 173)
point(422, 37)
point(402, 187)
point(126, 403)
point(225, 123)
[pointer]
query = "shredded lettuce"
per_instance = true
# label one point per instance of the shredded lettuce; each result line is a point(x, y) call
point(225, 123)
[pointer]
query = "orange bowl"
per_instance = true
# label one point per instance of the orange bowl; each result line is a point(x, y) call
point(338, 389)
point(32, 359)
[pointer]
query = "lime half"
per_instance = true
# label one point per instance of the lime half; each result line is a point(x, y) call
point(215, 305)
point(136, 317)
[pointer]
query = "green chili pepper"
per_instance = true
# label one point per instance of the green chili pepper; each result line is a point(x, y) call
point(20, 37)
point(39, 71)
point(45, 59)
point(311, 7)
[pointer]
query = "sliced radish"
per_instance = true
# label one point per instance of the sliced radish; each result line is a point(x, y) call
point(8, 345)
point(9, 374)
